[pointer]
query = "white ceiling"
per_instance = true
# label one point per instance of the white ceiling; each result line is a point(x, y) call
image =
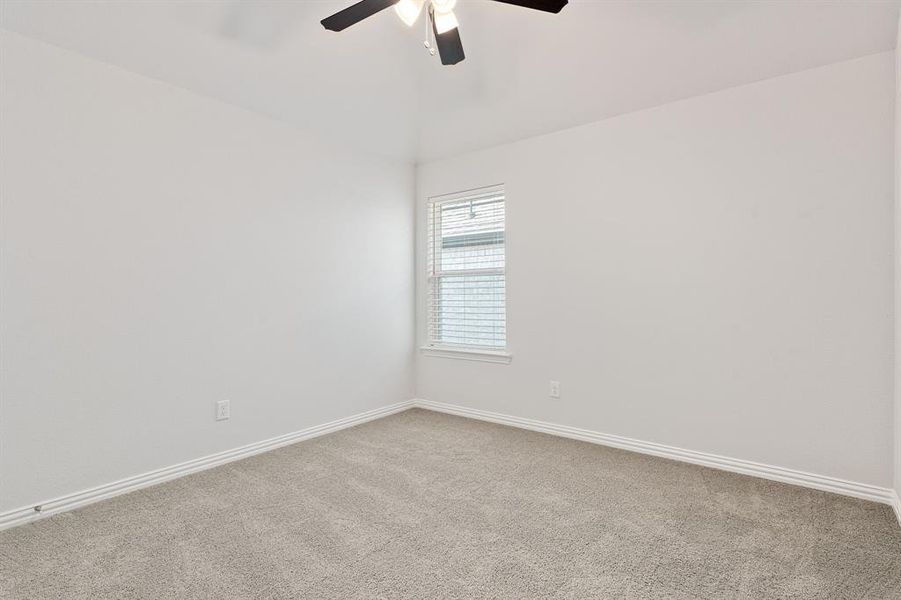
point(374, 86)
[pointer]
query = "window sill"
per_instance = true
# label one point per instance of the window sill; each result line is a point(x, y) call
point(492, 356)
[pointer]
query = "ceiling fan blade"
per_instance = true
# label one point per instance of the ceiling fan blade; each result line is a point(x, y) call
point(354, 14)
point(551, 6)
point(450, 47)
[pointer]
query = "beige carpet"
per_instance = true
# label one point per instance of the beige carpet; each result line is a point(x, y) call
point(422, 505)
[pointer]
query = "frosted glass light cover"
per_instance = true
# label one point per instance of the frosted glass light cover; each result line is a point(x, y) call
point(408, 10)
point(445, 22)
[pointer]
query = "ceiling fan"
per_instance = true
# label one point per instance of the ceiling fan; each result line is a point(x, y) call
point(440, 13)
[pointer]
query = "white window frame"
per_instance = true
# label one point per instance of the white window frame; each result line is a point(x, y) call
point(476, 353)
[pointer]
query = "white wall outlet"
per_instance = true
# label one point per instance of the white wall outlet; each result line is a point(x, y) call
point(223, 410)
point(555, 389)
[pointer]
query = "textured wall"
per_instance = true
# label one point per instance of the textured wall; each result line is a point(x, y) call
point(162, 251)
point(713, 274)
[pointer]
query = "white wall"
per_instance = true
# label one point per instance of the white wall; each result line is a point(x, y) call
point(713, 274)
point(898, 262)
point(161, 251)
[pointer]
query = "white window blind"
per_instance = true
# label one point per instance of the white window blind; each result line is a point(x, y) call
point(467, 305)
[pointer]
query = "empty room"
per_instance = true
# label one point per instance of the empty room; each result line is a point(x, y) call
point(450, 299)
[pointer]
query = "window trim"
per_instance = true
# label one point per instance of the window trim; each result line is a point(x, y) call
point(472, 353)
point(467, 353)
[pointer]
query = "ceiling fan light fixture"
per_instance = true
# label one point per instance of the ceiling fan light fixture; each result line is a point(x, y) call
point(444, 6)
point(444, 22)
point(441, 26)
point(408, 10)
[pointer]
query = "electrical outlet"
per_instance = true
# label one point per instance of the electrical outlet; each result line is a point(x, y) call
point(223, 410)
point(555, 389)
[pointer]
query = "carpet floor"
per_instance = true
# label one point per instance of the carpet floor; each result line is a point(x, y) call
point(422, 505)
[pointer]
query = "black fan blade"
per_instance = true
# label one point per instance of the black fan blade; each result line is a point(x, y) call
point(450, 47)
point(551, 6)
point(356, 13)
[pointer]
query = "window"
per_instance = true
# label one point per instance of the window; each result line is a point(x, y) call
point(467, 304)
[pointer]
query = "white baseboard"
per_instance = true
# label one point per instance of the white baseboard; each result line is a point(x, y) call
point(810, 480)
point(130, 484)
